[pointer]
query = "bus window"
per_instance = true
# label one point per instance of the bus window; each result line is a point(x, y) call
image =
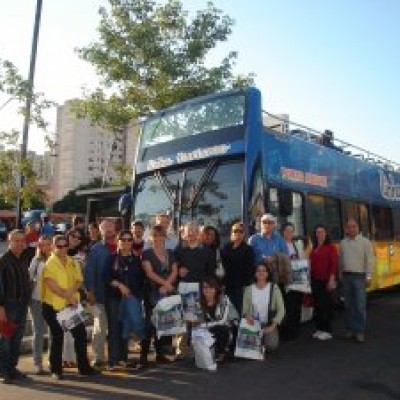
point(256, 204)
point(364, 220)
point(273, 202)
point(220, 201)
point(358, 211)
point(396, 223)
point(297, 216)
point(382, 223)
point(324, 210)
point(151, 198)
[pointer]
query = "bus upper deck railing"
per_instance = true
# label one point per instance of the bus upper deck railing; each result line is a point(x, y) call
point(286, 127)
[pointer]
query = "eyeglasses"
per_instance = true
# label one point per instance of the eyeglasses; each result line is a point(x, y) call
point(61, 246)
point(268, 222)
point(237, 231)
point(126, 239)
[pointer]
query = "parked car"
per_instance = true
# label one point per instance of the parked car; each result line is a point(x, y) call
point(32, 215)
point(3, 231)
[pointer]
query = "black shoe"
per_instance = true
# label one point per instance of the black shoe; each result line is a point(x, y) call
point(89, 372)
point(161, 359)
point(17, 374)
point(7, 380)
point(57, 376)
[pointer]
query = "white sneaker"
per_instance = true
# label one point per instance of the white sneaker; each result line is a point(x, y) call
point(324, 336)
point(316, 334)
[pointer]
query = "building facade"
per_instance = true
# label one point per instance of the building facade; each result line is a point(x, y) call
point(85, 152)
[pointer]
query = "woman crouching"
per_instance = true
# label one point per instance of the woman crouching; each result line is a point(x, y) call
point(219, 315)
point(262, 301)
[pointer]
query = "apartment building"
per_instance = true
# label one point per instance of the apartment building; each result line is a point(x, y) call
point(83, 151)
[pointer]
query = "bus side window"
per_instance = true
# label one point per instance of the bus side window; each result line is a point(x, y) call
point(396, 223)
point(256, 206)
point(359, 211)
point(382, 223)
point(324, 210)
point(296, 218)
point(296, 208)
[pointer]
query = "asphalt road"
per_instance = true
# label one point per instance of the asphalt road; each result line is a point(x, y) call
point(305, 369)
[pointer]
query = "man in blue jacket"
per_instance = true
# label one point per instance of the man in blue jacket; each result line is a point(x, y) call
point(97, 264)
point(268, 243)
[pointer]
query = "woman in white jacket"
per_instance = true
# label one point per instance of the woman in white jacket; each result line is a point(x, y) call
point(219, 316)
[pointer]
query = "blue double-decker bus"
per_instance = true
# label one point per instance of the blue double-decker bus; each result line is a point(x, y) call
point(216, 160)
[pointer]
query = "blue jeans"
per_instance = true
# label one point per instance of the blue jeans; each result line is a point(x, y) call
point(39, 329)
point(10, 347)
point(355, 302)
point(117, 346)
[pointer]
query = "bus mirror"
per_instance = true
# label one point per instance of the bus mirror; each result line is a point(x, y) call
point(124, 204)
point(285, 197)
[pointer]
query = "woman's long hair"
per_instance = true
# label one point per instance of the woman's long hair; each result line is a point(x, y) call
point(213, 282)
point(314, 236)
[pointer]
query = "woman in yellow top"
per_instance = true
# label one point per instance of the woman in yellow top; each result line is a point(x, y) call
point(62, 279)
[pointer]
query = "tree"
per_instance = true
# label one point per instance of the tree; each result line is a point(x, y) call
point(150, 56)
point(13, 85)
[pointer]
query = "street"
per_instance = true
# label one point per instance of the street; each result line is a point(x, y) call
point(305, 369)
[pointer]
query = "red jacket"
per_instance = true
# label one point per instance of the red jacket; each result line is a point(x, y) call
point(324, 262)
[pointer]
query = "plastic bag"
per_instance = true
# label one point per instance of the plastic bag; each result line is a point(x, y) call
point(249, 343)
point(202, 342)
point(190, 292)
point(167, 316)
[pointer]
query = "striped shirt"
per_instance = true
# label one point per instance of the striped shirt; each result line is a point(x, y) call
point(14, 277)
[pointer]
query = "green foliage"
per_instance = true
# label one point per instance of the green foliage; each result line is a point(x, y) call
point(11, 166)
point(71, 203)
point(124, 174)
point(150, 56)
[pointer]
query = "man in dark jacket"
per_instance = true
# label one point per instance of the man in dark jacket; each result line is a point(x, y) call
point(96, 270)
point(14, 297)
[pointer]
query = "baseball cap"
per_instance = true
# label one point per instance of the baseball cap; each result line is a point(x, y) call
point(268, 217)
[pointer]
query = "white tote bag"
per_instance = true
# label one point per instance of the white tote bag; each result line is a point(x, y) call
point(202, 342)
point(167, 316)
point(190, 292)
point(249, 341)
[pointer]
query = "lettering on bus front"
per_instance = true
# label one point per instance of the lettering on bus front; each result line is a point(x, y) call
point(197, 154)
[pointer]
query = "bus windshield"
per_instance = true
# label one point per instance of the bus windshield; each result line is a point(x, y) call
point(194, 118)
point(210, 195)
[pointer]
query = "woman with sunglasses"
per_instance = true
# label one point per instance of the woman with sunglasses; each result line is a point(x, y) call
point(62, 279)
point(125, 279)
point(76, 250)
point(36, 267)
point(161, 269)
point(238, 261)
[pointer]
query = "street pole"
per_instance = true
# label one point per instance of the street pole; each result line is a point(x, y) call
point(28, 104)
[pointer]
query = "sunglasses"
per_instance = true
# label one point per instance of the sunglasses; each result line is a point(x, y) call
point(61, 246)
point(126, 239)
point(238, 231)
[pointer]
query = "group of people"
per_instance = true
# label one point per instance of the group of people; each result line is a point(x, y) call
point(107, 270)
